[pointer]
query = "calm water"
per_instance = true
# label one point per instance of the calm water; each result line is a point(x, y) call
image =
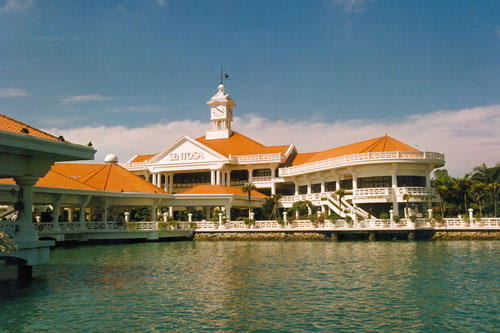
point(267, 286)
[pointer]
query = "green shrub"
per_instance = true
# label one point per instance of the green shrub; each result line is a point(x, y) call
point(348, 219)
point(384, 216)
point(162, 225)
point(192, 225)
point(396, 218)
point(173, 224)
point(132, 226)
point(413, 218)
point(248, 221)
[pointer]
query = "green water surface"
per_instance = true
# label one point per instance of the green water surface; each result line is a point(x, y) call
point(261, 286)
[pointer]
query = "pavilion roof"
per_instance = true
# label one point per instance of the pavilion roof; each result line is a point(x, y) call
point(380, 144)
point(8, 124)
point(239, 144)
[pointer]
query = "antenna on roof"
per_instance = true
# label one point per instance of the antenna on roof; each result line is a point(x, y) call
point(223, 76)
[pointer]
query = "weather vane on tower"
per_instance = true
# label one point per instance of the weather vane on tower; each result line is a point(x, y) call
point(223, 76)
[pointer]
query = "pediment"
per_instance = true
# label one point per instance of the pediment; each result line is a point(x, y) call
point(186, 150)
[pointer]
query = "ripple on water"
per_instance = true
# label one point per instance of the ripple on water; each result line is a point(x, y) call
point(277, 286)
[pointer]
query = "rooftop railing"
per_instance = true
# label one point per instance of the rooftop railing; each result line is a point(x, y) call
point(354, 158)
point(239, 159)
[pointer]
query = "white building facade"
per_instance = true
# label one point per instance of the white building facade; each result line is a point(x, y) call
point(378, 175)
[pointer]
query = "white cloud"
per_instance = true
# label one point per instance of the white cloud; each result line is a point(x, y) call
point(467, 137)
point(136, 109)
point(10, 6)
point(13, 93)
point(84, 98)
point(351, 5)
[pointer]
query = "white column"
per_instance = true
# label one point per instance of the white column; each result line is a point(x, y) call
point(212, 177)
point(354, 182)
point(273, 185)
point(171, 211)
point(154, 179)
point(171, 184)
point(127, 217)
point(427, 179)
point(218, 173)
point(323, 185)
point(228, 212)
point(308, 186)
point(250, 175)
point(337, 183)
point(296, 187)
point(26, 231)
point(167, 182)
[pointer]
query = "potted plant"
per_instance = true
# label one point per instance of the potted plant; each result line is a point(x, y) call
point(396, 219)
point(173, 224)
point(249, 222)
point(314, 220)
point(162, 225)
point(348, 221)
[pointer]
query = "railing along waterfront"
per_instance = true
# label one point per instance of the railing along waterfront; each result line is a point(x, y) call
point(349, 159)
point(462, 224)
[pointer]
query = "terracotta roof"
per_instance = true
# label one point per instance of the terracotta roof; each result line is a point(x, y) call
point(238, 144)
point(8, 124)
point(54, 179)
point(75, 170)
point(114, 178)
point(217, 189)
point(142, 158)
point(383, 143)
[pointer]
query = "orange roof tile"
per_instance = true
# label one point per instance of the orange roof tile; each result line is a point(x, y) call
point(217, 189)
point(142, 158)
point(54, 179)
point(383, 143)
point(75, 170)
point(114, 178)
point(238, 144)
point(8, 124)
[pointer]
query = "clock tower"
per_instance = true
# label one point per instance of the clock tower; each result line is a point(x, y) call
point(221, 115)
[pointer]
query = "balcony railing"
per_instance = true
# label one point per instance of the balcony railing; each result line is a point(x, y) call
point(261, 179)
point(133, 165)
point(276, 157)
point(350, 159)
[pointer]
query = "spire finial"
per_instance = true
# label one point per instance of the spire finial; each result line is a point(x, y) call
point(223, 76)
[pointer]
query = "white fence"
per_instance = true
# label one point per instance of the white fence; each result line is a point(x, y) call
point(462, 224)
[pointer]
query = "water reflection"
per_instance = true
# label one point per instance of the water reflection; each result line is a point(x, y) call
point(253, 285)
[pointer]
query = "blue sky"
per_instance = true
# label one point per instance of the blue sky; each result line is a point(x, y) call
point(70, 64)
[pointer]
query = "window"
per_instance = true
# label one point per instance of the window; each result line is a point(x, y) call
point(261, 173)
point(407, 181)
point(316, 188)
point(303, 189)
point(370, 182)
point(346, 184)
point(330, 186)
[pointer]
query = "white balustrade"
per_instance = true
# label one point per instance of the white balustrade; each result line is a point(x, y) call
point(261, 179)
point(349, 159)
point(258, 158)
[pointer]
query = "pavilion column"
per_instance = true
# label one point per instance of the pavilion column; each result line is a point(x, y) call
point(250, 175)
point(26, 231)
point(394, 183)
point(427, 179)
point(171, 211)
point(171, 184)
point(296, 187)
point(167, 182)
point(337, 183)
point(308, 185)
point(56, 207)
point(323, 185)
point(212, 177)
point(70, 214)
point(228, 212)
point(153, 213)
point(207, 213)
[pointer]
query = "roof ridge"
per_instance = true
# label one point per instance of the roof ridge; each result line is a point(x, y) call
point(29, 126)
point(75, 180)
point(375, 142)
point(107, 175)
point(91, 174)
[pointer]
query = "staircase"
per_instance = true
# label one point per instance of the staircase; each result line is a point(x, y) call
point(342, 207)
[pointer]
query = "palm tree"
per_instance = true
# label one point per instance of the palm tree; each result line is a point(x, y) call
point(443, 192)
point(491, 177)
point(276, 200)
point(248, 188)
point(340, 193)
point(477, 192)
point(463, 185)
point(407, 197)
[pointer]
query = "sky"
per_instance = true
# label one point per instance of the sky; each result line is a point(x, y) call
point(132, 76)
